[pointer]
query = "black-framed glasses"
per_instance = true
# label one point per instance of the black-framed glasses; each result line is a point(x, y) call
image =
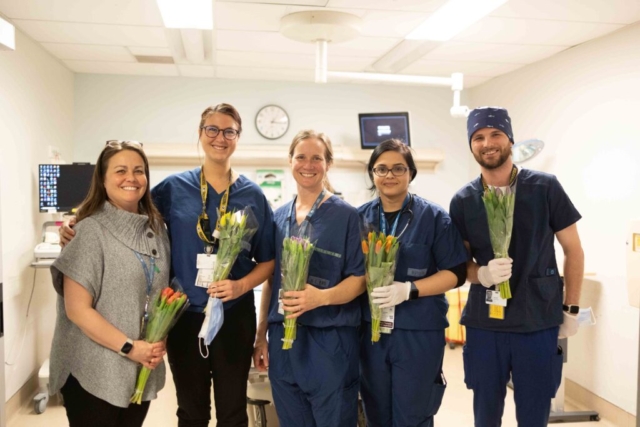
point(119, 142)
point(213, 131)
point(397, 170)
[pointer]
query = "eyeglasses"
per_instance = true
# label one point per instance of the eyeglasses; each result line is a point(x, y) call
point(119, 143)
point(213, 131)
point(397, 170)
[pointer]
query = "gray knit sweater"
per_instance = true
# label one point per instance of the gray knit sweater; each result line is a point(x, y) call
point(101, 259)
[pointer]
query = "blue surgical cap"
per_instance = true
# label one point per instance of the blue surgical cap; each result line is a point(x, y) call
point(489, 117)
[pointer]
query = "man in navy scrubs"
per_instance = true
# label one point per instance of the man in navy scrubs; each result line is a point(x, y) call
point(516, 338)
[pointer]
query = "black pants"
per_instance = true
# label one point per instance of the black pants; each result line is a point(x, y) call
point(227, 366)
point(84, 409)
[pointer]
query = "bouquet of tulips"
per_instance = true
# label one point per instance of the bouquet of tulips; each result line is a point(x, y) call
point(499, 206)
point(235, 232)
point(164, 310)
point(380, 252)
point(296, 254)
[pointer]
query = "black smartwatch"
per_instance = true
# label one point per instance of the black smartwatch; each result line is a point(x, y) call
point(571, 309)
point(414, 293)
point(126, 348)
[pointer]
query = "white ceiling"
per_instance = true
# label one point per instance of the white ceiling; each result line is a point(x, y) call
point(96, 36)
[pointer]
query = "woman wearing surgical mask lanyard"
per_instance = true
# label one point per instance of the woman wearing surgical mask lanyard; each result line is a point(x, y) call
point(401, 375)
point(315, 383)
point(189, 202)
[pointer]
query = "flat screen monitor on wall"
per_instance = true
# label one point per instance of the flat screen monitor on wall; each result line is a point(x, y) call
point(63, 187)
point(377, 127)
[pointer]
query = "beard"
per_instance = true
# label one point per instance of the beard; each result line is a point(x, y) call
point(495, 163)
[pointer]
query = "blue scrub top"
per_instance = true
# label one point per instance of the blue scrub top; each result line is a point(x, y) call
point(542, 208)
point(179, 201)
point(429, 244)
point(338, 255)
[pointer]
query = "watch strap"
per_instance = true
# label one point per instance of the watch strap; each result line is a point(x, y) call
point(414, 293)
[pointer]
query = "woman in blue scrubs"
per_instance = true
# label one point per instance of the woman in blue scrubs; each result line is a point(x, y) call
point(401, 375)
point(315, 383)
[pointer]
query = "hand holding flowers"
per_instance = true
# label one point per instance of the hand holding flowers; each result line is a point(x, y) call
point(499, 206)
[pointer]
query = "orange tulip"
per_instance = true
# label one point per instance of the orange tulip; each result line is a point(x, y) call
point(365, 247)
point(378, 246)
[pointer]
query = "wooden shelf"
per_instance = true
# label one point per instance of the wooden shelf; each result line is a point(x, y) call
point(427, 159)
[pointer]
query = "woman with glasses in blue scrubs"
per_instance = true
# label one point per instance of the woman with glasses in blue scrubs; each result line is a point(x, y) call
point(401, 375)
point(315, 383)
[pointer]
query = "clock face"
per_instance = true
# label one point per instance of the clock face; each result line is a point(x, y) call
point(272, 122)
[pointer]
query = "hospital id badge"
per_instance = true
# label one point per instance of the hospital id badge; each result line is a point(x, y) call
point(205, 264)
point(280, 304)
point(387, 319)
point(493, 297)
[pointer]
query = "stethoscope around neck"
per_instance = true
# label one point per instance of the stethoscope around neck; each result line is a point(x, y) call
point(405, 209)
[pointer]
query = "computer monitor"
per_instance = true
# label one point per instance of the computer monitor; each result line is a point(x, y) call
point(63, 187)
point(378, 127)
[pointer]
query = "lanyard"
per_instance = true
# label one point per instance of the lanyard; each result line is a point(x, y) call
point(512, 178)
point(149, 273)
point(202, 227)
point(383, 220)
point(305, 223)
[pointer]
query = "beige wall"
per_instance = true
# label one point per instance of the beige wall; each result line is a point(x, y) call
point(36, 110)
point(585, 104)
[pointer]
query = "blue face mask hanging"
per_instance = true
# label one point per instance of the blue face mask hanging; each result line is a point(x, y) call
point(213, 320)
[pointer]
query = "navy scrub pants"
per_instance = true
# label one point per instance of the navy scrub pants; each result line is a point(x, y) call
point(533, 361)
point(400, 377)
point(315, 383)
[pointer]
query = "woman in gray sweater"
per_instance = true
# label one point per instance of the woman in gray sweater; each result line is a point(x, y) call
point(104, 278)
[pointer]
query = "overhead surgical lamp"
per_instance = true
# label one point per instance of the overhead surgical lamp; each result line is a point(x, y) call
point(526, 150)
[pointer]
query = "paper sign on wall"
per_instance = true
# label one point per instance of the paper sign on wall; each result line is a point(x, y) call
point(271, 182)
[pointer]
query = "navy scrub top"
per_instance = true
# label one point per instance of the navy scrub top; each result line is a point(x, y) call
point(542, 208)
point(179, 201)
point(338, 255)
point(429, 244)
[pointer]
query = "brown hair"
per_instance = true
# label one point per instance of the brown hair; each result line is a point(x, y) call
point(223, 108)
point(98, 195)
point(328, 149)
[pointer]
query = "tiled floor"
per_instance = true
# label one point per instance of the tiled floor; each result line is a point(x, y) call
point(455, 410)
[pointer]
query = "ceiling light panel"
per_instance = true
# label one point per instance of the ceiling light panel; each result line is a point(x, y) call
point(453, 17)
point(193, 14)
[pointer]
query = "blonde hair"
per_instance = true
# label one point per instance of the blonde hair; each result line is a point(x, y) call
point(328, 149)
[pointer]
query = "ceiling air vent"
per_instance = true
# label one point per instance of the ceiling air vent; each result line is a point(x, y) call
point(154, 59)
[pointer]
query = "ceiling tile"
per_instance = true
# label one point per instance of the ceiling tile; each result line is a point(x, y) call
point(364, 46)
point(289, 60)
point(260, 41)
point(406, 5)
point(609, 11)
point(534, 31)
point(473, 81)
point(249, 17)
point(296, 2)
point(446, 68)
point(98, 67)
point(197, 70)
point(90, 52)
point(121, 12)
point(390, 24)
point(114, 35)
point(149, 51)
point(282, 74)
point(491, 52)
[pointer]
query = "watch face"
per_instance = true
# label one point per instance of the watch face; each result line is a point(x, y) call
point(126, 348)
point(272, 122)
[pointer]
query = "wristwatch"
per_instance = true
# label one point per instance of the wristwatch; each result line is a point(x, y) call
point(126, 348)
point(414, 293)
point(571, 309)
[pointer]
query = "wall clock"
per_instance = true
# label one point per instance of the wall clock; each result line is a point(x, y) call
point(272, 121)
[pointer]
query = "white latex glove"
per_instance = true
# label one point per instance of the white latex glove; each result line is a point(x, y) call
point(392, 295)
point(569, 327)
point(497, 271)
